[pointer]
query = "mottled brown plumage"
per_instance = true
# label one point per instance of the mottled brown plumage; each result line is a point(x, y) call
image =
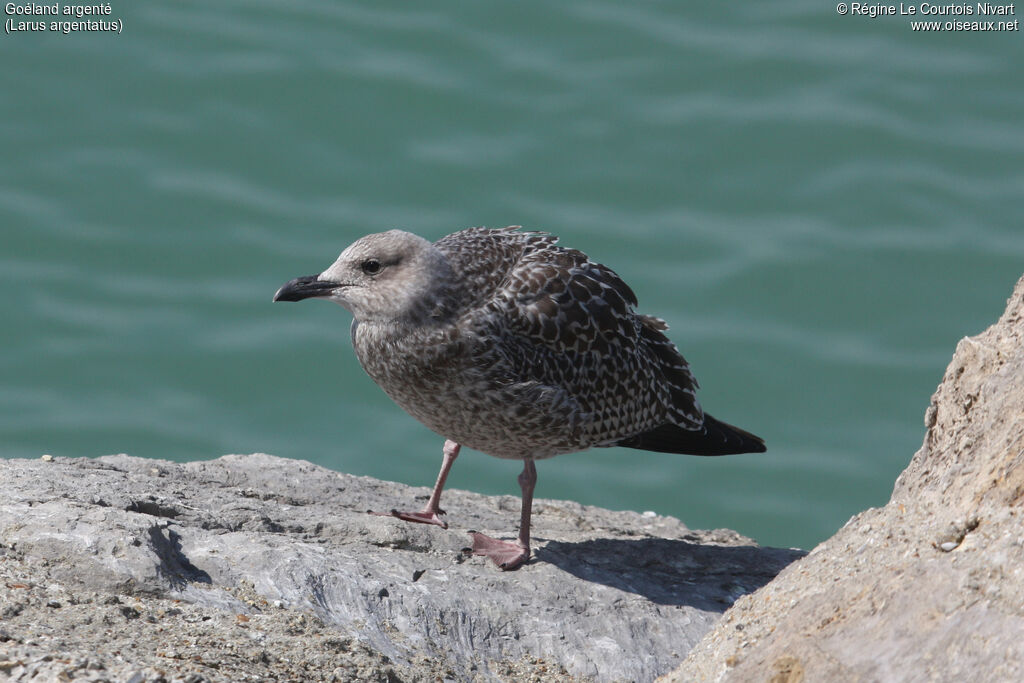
point(505, 342)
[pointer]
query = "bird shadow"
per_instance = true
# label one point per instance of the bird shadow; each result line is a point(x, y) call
point(175, 566)
point(671, 572)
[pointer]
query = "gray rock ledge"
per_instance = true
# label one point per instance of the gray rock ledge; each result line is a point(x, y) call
point(260, 568)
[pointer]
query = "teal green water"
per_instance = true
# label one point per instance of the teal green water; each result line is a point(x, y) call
point(820, 206)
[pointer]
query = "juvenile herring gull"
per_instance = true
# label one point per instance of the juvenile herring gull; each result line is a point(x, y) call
point(502, 341)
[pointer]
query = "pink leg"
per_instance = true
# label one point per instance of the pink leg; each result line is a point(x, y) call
point(429, 514)
point(506, 554)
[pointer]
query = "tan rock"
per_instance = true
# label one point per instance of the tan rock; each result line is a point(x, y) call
point(929, 587)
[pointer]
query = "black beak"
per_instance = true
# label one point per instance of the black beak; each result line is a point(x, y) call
point(305, 287)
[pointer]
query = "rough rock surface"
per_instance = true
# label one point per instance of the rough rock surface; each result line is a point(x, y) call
point(255, 567)
point(929, 587)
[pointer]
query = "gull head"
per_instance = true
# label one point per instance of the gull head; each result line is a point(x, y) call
point(392, 276)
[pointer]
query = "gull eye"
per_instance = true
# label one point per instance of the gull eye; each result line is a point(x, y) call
point(370, 266)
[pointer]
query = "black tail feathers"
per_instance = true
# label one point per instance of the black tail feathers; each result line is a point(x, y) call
point(713, 438)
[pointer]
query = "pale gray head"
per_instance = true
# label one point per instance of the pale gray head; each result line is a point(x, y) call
point(392, 276)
